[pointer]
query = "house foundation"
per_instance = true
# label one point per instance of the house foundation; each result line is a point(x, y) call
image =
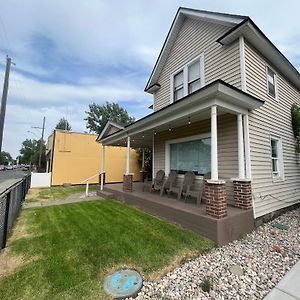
point(216, 198)
point(242, 193)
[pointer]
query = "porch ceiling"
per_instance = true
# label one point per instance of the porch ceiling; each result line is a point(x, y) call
point(194, 107)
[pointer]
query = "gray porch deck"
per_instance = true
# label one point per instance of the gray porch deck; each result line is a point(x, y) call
point(187, 215)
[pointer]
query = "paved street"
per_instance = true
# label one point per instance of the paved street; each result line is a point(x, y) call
point(10, 174)
point(9, 177)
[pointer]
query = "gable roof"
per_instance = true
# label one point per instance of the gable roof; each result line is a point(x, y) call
point(107, 129)
point(229, 20)
point(238, 26)
point(259, 40)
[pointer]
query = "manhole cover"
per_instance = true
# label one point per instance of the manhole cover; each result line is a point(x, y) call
point(123, 283)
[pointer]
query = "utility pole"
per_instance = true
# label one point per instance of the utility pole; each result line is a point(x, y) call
point(4, 99)
point(41, 141)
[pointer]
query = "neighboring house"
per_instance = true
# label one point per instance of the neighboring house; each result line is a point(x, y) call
point(72, 157)
point(222, 97)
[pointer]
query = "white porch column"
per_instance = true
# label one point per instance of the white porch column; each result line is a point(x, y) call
point(128, 156)
point(247, 147)
point(102, 167)
point(143, 159)
point(214, 144)
point(241, 147)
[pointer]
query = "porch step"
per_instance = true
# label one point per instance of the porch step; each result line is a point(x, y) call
point(105, 194)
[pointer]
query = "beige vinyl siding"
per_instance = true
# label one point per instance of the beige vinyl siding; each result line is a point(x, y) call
point(196, 37)
point(227, 146)
point(273, 118)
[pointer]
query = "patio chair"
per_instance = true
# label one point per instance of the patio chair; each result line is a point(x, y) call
point(190, 192)
point(169, 182)
point(157, 183)
point(188, 181)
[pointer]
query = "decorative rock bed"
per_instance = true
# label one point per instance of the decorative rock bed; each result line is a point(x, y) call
point(245, 269)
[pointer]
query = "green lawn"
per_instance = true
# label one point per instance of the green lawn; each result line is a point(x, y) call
point(69, 248)
point(55, 193)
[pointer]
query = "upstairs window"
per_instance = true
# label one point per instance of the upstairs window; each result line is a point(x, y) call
point(271, 80)
point(189, 79)
point(178, 86)
point(194, 77)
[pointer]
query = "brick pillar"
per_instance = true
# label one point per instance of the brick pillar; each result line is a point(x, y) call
point(242, 193)
point(127, 182)
point(216, 198)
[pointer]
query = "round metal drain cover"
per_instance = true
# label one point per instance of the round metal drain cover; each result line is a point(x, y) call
point(123, 283)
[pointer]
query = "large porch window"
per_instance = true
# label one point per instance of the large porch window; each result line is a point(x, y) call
point(189, 154)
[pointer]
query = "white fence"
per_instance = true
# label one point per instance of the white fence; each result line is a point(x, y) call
point(40, 180)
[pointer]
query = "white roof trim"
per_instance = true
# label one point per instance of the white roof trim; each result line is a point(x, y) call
point(263, 45)
point(216, 93)
point(182, 13)
point(107, 126)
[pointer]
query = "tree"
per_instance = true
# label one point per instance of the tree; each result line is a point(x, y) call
point(30, 152)
point(5, 158)
point(295, 111)
point(63, 124)
point(98, 115)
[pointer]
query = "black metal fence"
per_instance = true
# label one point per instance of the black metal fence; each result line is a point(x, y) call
point(10, 204)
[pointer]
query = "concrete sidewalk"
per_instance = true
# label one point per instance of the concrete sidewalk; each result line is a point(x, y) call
point(75, 198)
point(288, 287)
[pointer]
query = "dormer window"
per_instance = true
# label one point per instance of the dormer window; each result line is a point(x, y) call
point(188, 79)
point(271, 81)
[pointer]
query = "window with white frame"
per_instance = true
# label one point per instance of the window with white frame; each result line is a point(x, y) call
point(178, 86)
point(189, 79)
point(271, 81)
point(194, 77)
point(190, 155)
point(277, 158)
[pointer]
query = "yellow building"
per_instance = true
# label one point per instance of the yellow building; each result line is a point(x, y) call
point(72, 157)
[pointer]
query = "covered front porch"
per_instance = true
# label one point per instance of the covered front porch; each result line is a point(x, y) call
point(210, 130)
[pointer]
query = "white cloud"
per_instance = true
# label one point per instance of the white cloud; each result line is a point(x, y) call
point(104, 51)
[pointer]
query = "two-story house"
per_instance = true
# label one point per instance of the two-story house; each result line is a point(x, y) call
point(222, 97)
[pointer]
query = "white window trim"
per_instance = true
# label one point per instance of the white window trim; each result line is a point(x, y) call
point(275, 82)
point(280, 176)
point(185, 76)
point(181, 140)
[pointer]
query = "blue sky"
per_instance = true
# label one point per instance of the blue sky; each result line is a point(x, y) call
point(71, 53)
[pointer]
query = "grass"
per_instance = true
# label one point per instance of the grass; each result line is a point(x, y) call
point(55, 193)
point(68, 249)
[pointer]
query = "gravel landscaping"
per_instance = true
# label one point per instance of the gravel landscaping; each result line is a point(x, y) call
point(245, 269)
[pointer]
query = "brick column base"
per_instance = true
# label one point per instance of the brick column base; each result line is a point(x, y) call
point(216, 198)
point(127, 182)
point(242, 193)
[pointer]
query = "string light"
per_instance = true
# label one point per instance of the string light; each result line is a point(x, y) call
point(189, 121)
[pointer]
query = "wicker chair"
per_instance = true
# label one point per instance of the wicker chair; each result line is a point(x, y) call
point(169, 182)
point(157, 183)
